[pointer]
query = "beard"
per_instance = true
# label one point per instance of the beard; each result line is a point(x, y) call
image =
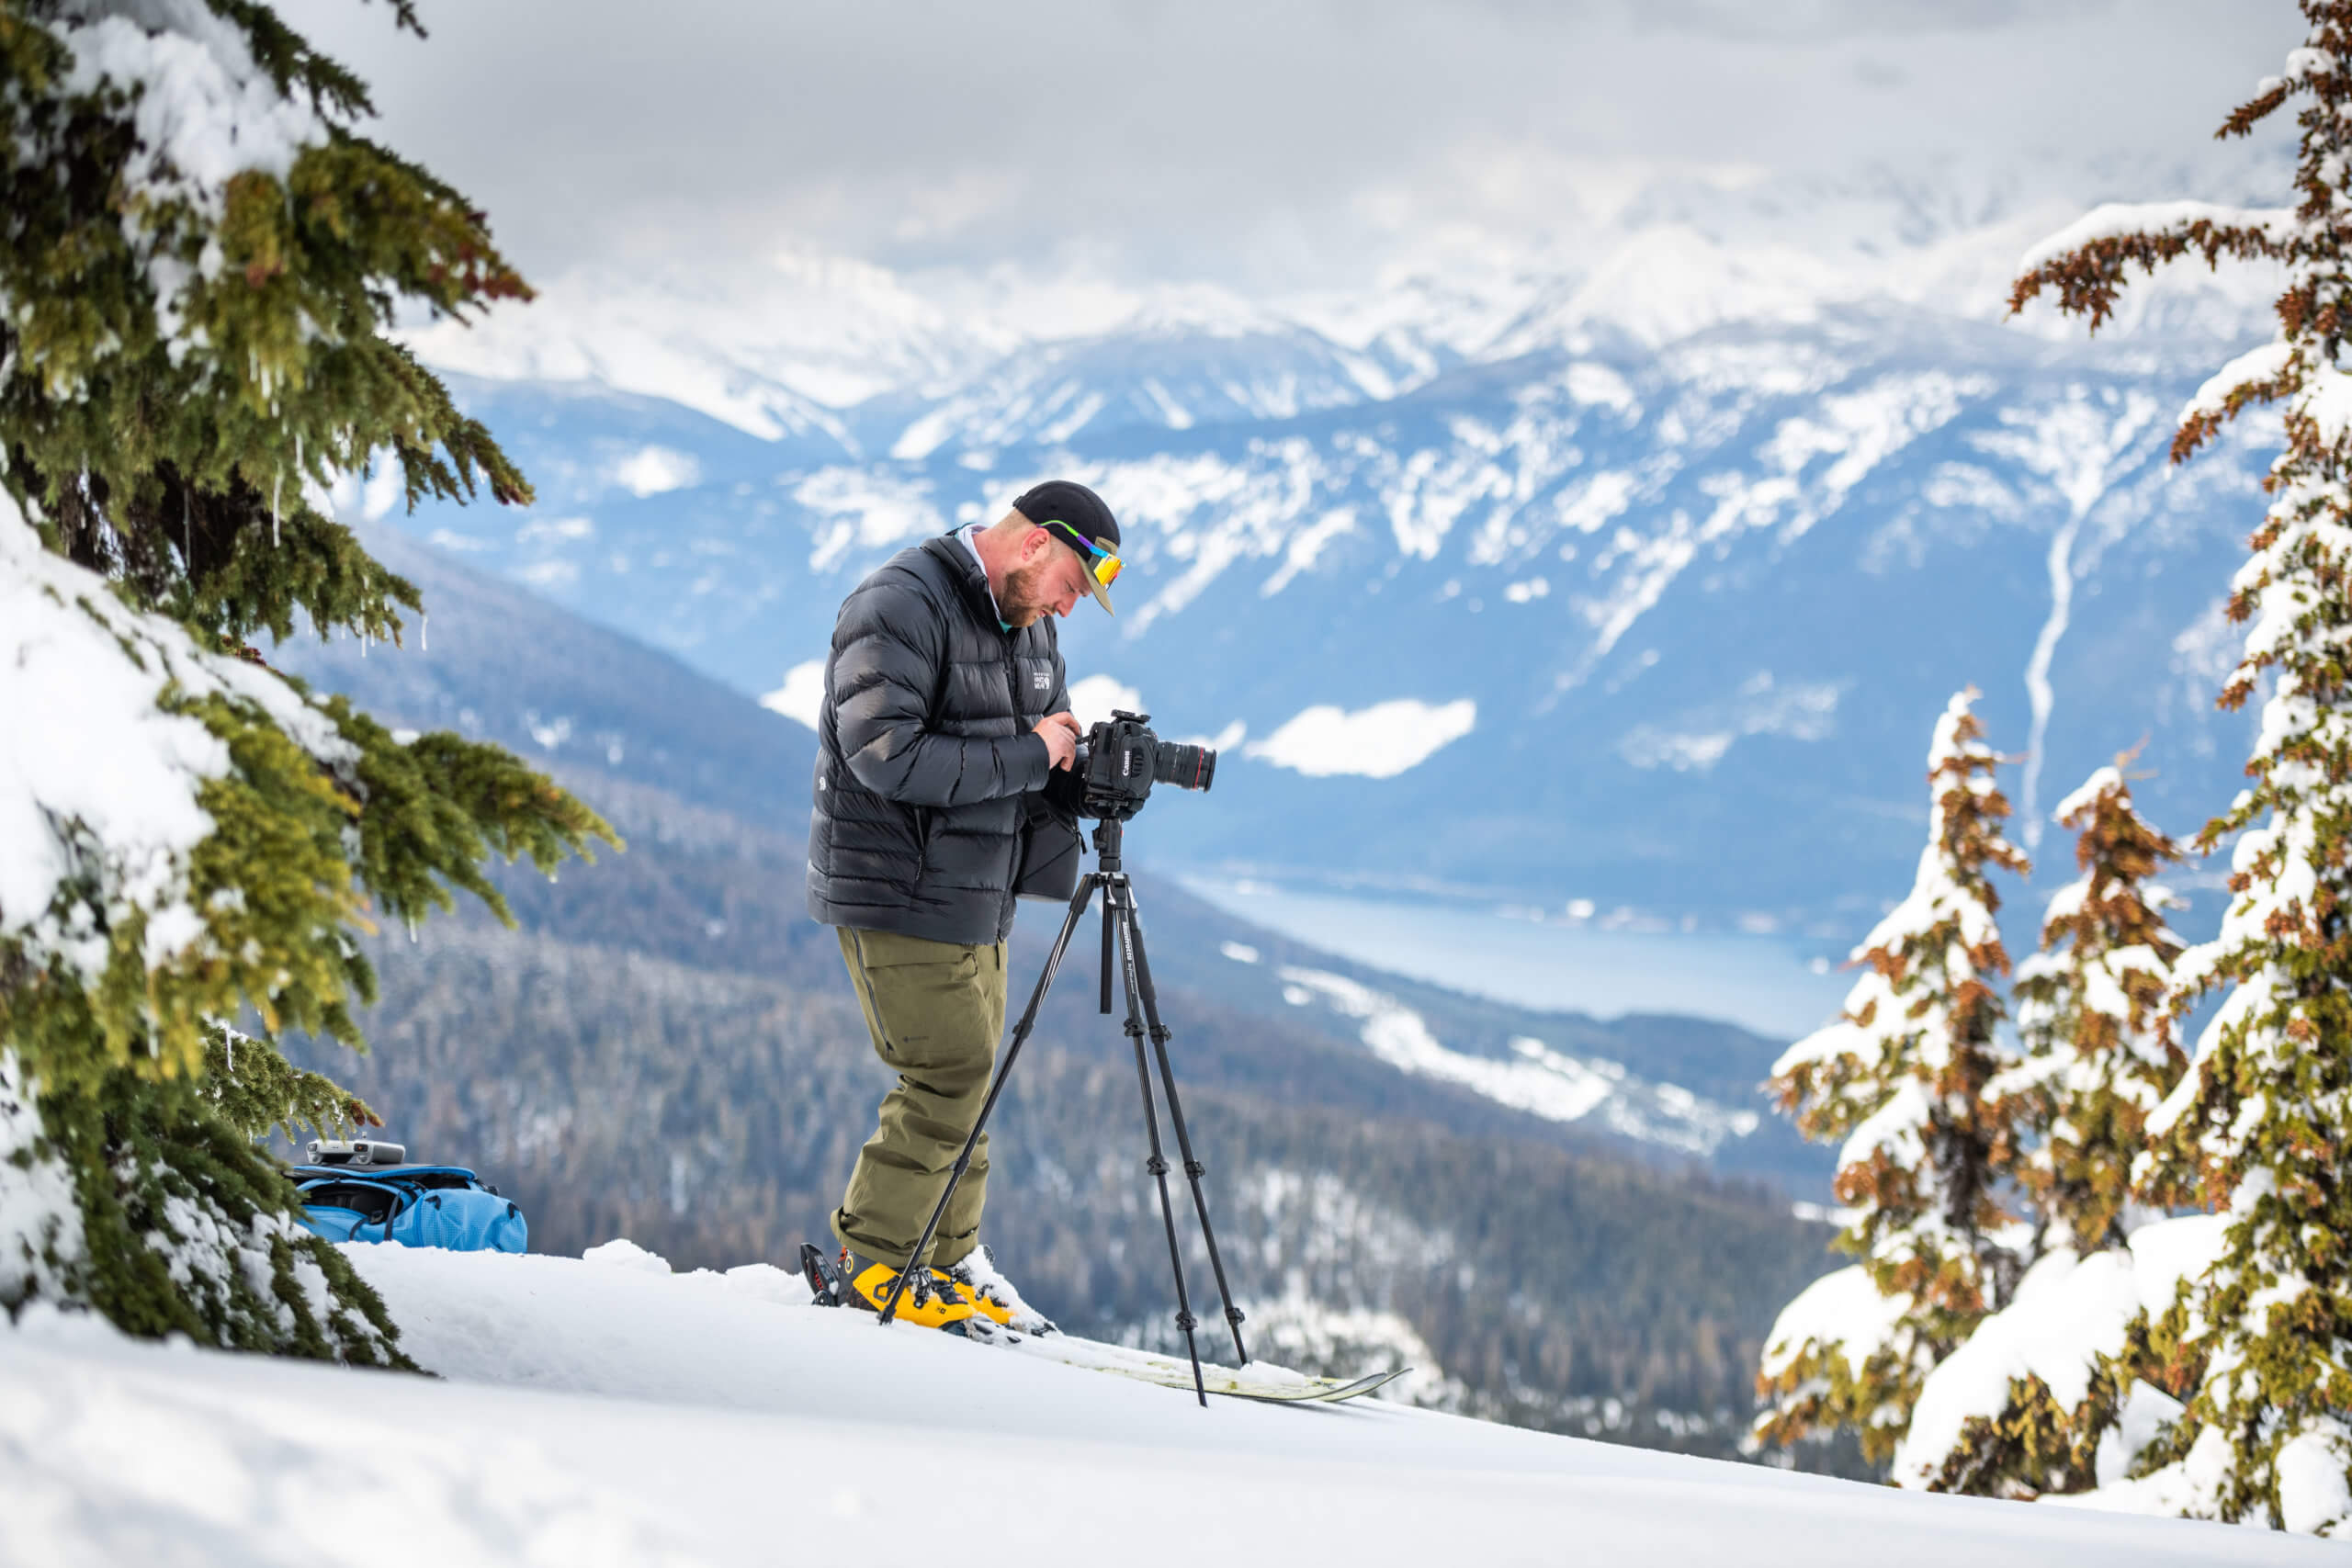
point(1025, 598)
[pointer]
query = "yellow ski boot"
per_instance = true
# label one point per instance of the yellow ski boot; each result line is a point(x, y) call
point(975, 1275)
point(930, 1301)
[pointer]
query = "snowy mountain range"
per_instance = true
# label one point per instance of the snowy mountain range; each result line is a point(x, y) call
point(1625, 578)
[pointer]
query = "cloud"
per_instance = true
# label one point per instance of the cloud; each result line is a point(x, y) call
point(653, 470)
point(1271, 146)
point(1815, 21)
point(1377, 742)
point(1092, 698)
point(1695, 740)
point(802, 695)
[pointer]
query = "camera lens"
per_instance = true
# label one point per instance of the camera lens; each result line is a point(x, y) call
point(1186, 767)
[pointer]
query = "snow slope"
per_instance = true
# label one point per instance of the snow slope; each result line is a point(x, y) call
point(608, 1412)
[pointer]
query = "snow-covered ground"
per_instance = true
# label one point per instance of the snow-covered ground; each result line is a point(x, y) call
point(610, 1411)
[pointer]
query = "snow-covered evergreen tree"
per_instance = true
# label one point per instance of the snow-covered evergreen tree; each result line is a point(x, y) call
point(199, 260)
point(2094, 1012)
point(1900, 1078)
point(2026, 1412)
point(2260, 1125)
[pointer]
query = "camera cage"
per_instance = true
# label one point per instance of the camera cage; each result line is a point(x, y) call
point(1115, 796)
point(1128, 738)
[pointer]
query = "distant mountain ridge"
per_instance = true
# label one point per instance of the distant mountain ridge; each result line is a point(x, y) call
point(770, 347)
point(504, 665)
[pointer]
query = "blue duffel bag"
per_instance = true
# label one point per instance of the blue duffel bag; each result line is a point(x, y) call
point(416, 1205)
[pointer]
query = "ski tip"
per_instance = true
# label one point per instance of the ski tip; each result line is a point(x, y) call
point(1371, 1383)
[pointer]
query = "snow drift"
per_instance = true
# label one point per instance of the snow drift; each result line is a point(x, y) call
point(606, 1411)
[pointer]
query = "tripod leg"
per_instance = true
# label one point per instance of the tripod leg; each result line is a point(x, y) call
point(1077, 903)
point(1108, 956)
point(1158, 1163)
point(1194, 1169)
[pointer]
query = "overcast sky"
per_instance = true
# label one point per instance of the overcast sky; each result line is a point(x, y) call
point(1271, 142)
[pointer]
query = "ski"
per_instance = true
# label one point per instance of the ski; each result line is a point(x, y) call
point(1270, 1385)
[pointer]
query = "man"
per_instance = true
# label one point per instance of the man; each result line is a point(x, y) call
point(945, 714)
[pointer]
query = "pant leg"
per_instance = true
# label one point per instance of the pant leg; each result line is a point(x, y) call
point(935, 1012)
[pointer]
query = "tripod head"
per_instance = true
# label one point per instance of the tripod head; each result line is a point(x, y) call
point(1108, 833)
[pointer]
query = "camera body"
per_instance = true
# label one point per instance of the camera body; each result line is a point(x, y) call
point(1121, 758)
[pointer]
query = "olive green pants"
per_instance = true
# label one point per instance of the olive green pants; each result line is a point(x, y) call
point(936, 1012)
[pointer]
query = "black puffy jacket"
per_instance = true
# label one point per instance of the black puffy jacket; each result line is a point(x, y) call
point(925, 751)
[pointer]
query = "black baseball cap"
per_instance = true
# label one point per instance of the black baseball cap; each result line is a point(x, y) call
point(1077, 517)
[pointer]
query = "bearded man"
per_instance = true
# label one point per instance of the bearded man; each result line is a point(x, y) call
point(946, 712)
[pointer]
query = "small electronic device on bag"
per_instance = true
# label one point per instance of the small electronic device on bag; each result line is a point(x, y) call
point(357, 1151)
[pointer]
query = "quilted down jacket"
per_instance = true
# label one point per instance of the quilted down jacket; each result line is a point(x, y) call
point(925, 751)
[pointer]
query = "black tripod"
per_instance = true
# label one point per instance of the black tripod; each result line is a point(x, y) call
point(1120, 927)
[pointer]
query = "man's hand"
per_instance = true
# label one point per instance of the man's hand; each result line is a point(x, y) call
point(1060, 733)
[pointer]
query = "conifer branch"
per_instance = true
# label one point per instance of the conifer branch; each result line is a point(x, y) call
point(187, 360)
point(258, 1093)
point(2088, 278)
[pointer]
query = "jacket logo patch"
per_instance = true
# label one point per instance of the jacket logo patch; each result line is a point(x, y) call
point(1039, 680)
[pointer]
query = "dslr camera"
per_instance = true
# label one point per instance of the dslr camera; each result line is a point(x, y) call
point(1121, 758)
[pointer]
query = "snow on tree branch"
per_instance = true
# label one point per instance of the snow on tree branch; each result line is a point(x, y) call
point(2086, 263)
point(103, 780)
point(204, 110)
point(2258, 376)
point(1842, 1355)
point(2055, 1364)
point(2196, 223)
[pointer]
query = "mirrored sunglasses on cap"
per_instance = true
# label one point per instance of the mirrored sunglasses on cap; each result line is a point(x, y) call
point(1102, 564)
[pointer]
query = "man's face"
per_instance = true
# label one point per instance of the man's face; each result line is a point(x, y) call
point(1051, 580)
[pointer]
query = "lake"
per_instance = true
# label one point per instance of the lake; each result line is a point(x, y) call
point(1778, 986)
